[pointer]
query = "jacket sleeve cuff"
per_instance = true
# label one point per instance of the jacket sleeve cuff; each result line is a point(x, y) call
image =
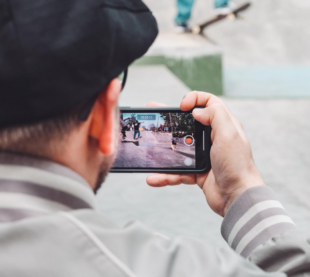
point(254, 217)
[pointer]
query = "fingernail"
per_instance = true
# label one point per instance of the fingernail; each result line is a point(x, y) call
point(184, 96)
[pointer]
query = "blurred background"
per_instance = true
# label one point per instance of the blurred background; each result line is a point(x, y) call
point(260, 67)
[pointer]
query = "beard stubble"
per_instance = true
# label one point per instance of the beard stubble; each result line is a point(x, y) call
point(108, 161)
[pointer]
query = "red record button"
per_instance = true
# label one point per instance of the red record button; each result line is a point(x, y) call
point(189, 140)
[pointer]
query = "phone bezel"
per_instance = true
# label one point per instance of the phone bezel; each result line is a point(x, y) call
point(204, 164)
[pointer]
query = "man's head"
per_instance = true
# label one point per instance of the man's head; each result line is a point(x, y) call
point(88, 147)
point(56, 57)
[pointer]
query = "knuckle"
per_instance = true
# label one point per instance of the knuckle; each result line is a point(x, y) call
point(165, 180)
point(184, 179)
point(217, 107)
point(216, 98)
point(193, 92)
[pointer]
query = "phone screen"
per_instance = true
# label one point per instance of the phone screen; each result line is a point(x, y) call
point(155, 140)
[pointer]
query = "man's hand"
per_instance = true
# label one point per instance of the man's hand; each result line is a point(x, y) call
point(233, 168)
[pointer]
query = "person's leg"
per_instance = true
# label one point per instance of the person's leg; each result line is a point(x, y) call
point(124, 132)
point(224, 7)
point(139, 134)
point(184, 11)
point(220, 3)
point(134, 135)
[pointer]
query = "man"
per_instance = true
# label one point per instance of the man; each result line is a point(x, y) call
point(185, 7)
point(173, 145)
point(136, 126)
point(59, 124)
point(124, 126)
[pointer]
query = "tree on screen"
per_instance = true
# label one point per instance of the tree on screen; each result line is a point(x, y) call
point(179, 121)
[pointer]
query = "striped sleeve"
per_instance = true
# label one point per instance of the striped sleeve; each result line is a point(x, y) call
point(255, 217)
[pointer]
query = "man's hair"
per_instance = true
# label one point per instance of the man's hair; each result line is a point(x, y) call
point(39, 138)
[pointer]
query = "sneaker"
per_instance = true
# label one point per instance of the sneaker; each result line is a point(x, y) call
point(181, 28)
point(226, 10)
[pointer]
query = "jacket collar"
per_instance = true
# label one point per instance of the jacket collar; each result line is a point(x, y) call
point(31, 186)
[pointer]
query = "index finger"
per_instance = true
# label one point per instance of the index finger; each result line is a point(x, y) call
point(198, 99)
point(204, 99)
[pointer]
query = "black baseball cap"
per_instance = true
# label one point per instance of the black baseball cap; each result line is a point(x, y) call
point(58, 54)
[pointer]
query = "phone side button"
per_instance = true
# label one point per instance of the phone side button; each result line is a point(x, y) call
point(203, 141)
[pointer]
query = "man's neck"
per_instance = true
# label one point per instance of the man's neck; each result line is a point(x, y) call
point(67, 159)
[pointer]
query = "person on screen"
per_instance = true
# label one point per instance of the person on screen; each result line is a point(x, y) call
point(173, 145)
point(124, 126)
point(137, 129)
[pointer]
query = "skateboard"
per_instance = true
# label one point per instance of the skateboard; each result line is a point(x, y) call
point(235, 14)
point(136, 142)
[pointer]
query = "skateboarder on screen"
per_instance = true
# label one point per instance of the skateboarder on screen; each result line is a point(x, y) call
point(184, 8)
point(137, 129)
point(123, 125)
point(173, 145)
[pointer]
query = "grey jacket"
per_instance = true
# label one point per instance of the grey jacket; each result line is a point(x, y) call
point(49, 226)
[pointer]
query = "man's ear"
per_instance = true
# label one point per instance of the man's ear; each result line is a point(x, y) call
point(102, 127)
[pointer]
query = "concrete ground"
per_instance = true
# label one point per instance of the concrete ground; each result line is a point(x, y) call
point(279, 131)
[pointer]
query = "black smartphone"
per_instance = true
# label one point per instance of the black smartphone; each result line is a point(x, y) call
point(162, 140)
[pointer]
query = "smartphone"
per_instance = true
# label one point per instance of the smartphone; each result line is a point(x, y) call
point(162, 140)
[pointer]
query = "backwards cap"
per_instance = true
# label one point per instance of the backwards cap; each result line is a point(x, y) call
point(57, 54)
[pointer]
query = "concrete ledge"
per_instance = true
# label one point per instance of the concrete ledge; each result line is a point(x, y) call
point(197, 63)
